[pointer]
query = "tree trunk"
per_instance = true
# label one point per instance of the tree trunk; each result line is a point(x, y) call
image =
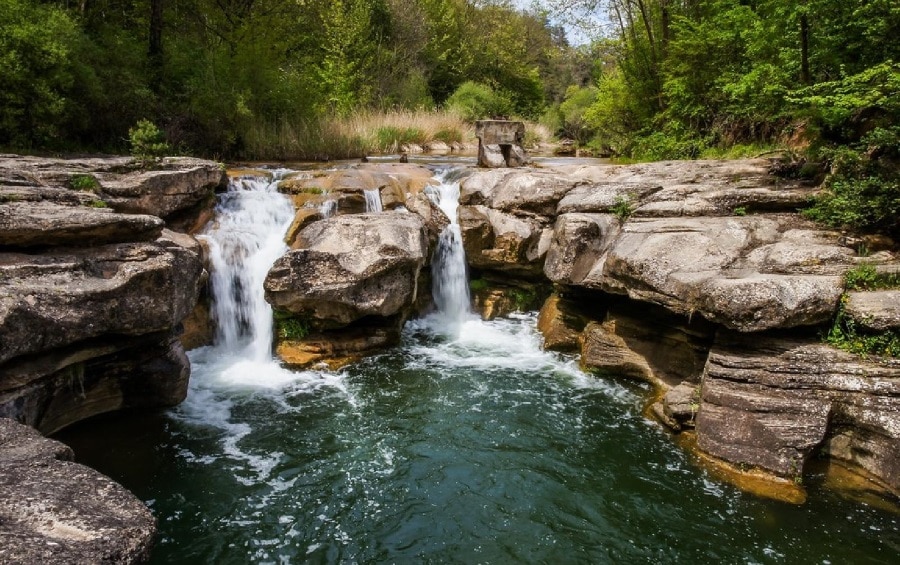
point(804, 49)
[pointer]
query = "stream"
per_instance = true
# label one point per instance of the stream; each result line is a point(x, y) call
point(467, 443)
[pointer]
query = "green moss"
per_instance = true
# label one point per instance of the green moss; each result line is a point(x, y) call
point(290, 327)
point(98, 204)
point(739, 211)
point(478, 284)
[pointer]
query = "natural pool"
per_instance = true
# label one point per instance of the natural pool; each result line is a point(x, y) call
point(480, 448)
point(467, 443)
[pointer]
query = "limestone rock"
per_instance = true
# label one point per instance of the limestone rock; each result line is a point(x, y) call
point(434, 218)
point(597, 198)
point(31, 224)
point(681, 404)
point(55, 511)
point(498, 241)
point(522, 193)
point(336, 349)
point(55, 299)
point(579, 242)
point(560, 324)
point(707, 265)
point(182, 184)
point(770, 402)
point(350, 267)
point(875, 311)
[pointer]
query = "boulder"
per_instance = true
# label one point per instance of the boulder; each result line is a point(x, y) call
point(55, 511)
point(499, 241)
point(434, 218)
point(43, 224)
point(351, 267)
point(604, 198)
point(522, 193)
point(772, 402)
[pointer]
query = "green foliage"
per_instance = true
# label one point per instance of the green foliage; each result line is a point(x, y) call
point(478, 284)
point(575, 124)
point(36, 71)
point(846, 334)
point(473, 101)
point(98, 204)
point(292, 328)
point(622, 208)
point(147, 141)
point(84, 183)
point(739, 211)
point(867, 277)
point(863, 189)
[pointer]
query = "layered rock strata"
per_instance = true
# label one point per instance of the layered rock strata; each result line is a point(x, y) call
point(701, 278)
point(94, 287)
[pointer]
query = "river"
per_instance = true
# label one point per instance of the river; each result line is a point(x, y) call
point(467, 443)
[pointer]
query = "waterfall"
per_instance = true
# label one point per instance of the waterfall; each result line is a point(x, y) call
point(328, 208)
point(373, 200)
point(450, 283)
point(244, 241)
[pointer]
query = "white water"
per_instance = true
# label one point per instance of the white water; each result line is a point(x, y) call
point(244, 241)
point(328, 208)
point(373, 200)
point(450, 285)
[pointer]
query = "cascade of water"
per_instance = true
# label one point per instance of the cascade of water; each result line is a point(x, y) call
point(373, 200)
point(450, 284)
point(328, 208)
point(244, 241)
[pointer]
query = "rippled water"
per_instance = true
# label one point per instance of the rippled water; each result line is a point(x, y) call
point(481, 448)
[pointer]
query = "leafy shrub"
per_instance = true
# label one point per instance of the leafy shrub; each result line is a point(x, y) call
point(622, 209)
point(573, 110)
point(147, 142)
point(867, 277)
point(863, 189)
point(289, 327)
point(475, 101)
point(84, 183)
point(847, 335)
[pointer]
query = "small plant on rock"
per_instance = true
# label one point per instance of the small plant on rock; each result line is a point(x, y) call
point(147, 142)
point(84, 183)
point(623, 208)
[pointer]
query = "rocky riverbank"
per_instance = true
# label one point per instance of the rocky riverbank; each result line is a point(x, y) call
point(95, 281)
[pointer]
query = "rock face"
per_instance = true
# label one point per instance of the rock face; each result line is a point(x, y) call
point(53, 510)
point(771, 402)
point(91, 299)
point(701, 278)
point(500, 143)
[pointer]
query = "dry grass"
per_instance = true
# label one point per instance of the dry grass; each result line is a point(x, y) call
point(367, 132)
point(362, 133)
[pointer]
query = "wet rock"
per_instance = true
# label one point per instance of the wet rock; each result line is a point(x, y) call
point(875, 311)
point(53, 510)
point(336, 349)
point(772, 401)
point(681, 403)
point(350, 267)
point(434, 218)
point(606, 353)
point(561, 324)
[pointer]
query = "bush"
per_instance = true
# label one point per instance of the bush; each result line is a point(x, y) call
point(575, 124)
point(475, 101)
point(147, 142)
point(863, 189)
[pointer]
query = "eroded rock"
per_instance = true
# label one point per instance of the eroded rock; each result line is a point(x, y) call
point(55, 511)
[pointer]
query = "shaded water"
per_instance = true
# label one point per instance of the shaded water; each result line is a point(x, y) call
point(467, 443)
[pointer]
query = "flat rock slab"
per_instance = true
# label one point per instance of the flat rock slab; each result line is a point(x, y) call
point(55, 511)
point(61, 297)
point(876, 311)
point(29, 224)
